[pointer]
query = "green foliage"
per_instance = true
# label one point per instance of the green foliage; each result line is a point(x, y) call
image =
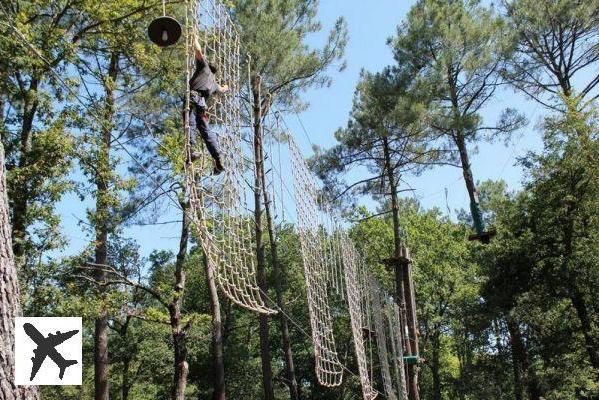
point(555, 49)
point(543, 266)
point(273, 35)
point(383, 136)
point(456, 50)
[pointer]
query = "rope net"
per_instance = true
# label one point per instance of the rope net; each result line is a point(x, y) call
point(332, 261)
point(329, 369)
point(381, 339)
point(218, 203)
point(395, 327)
point(357, 312)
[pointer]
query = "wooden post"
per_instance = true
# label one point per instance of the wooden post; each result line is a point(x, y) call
point(405, 264)
point(406, 300)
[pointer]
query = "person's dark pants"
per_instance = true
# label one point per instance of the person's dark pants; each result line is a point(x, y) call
point(201, 125)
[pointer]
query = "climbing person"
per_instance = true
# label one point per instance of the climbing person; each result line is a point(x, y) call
point(202, 85)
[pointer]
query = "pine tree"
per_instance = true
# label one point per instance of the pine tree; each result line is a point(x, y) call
point(457, 50)
point(554, 50)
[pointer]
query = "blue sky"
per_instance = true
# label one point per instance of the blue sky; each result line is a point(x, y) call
point(370, 24)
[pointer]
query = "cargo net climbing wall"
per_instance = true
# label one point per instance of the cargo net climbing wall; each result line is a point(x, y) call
point(375, 321)
point(218, 204)
point(329, 369)
point(396, 333)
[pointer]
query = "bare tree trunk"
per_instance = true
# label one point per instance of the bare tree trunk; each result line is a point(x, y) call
point(260, 251)
point(102, 215)
point(435, 365)
point(10, 307)
point(178, 331)
point(218, 359)
point(279, 275)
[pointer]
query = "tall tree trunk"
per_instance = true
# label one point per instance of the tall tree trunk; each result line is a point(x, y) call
point(127, 358)
point(576, 297)
point(178, 331)
point(101, 324)
point(496, 324)
point(260, 250)
point(460, 142)
point(279, 275)
point(21, 196)
point(523, 373)
point(435, 365)
point(10, 307)
point(477, 218)
point(218, 359)
point(517, 367)
point(459, 138)
point(466, 170)
point(413, 331)
point(397, 252)
point(579, 303)
point(403, 281)
point(102, 227)
point(126, 384)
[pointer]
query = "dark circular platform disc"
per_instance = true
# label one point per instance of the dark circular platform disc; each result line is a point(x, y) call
point(164, 31)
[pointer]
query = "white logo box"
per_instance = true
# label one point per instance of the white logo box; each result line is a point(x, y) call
point(69, 350)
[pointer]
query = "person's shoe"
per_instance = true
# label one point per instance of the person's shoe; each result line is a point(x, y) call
point(195, 155)
point(218, 167)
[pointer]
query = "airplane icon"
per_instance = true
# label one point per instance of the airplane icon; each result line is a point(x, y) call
point(46, 346)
